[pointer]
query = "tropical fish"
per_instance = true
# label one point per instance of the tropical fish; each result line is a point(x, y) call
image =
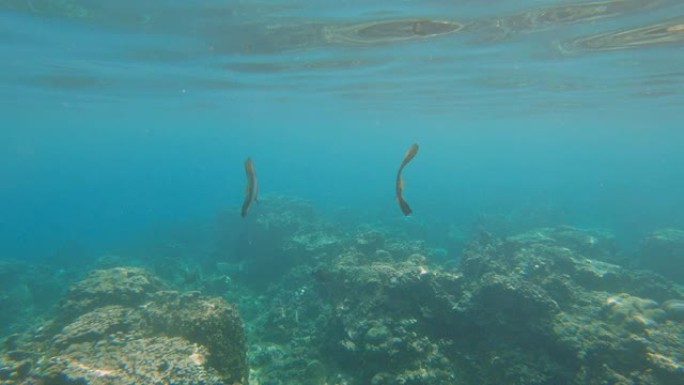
point(412, 151)
point(252, 187)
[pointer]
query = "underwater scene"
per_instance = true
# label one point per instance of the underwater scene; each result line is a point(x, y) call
point(415, 192)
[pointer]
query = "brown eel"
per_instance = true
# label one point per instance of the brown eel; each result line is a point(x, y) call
point(252, 187)
point(400, 181)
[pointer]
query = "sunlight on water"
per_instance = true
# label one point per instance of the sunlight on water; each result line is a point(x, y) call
point(377, 53)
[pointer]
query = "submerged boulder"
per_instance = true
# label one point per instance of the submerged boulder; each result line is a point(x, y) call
point(152, 360)
point(211, 322)
point(552, 306)
point(116, 329)
point(126, 286)
point(607, 327)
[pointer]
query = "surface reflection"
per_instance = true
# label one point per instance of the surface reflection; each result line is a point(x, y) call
point(389, 31)
point(667, 32)
point(573, 13)
point(261, 28)
point(173, 47)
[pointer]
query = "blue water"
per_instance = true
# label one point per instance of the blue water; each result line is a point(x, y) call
point(119, 117)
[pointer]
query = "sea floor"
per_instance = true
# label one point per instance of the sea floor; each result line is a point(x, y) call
point(302, 300)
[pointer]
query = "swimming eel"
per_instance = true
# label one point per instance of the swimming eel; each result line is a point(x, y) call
point(400, 180)
point(252, 187)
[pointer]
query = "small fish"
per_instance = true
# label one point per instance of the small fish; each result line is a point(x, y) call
point(400, 180)
point(252, 187)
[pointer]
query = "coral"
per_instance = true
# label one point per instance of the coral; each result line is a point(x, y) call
point(122, 361)
point(126, 333)
point(550, 306)
point(379, 318)
point(97, 325)
point(312, 241)
point(394, 351)
point(598, 245)
point(518, 305)
point(370, 241)
point(211, 322)
point(126, 286)
point(633, 313)
point(523, 310)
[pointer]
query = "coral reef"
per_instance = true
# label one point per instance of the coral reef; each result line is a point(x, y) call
point(633, 313)
point(155, 360)
point(378, 328)
point(608, 317)
point(117, 327)
point(544, 307)
point(117, 286)
point(554, 305)
point(211, 322)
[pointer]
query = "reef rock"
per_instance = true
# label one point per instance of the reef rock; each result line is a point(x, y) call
point(607, 327)
point(97, 325)
point(519, 305)
point(633, 313)
point(118, 330)
point(211, 322)
point(126, 286)
point(545, 307)
point(122, 361)
point(381, 310)
point(370, 241)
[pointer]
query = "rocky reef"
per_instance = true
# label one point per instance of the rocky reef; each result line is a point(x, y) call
point(119, 326)
point(543, 307)
point(598, 322)
point(368, 306)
